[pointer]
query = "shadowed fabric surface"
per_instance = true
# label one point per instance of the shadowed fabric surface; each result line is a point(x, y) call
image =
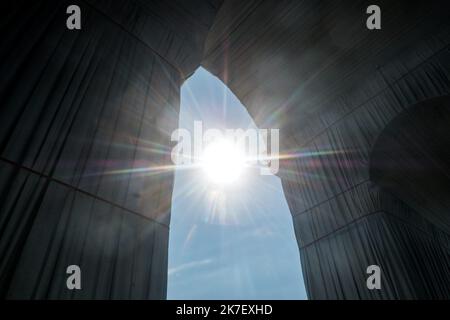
point(81, 112)
point(314, 70)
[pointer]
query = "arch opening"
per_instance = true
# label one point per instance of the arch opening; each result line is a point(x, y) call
point(410, 160)
point(234, 240)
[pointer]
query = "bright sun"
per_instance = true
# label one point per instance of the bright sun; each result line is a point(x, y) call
point(222, 162)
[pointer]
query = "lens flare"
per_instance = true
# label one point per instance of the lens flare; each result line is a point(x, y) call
point(223, 162)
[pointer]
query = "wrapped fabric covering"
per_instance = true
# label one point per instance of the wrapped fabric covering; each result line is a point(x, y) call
point(332, 86)
point(83, 112)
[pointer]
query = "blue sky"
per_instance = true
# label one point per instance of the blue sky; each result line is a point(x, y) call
point(233, 243)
